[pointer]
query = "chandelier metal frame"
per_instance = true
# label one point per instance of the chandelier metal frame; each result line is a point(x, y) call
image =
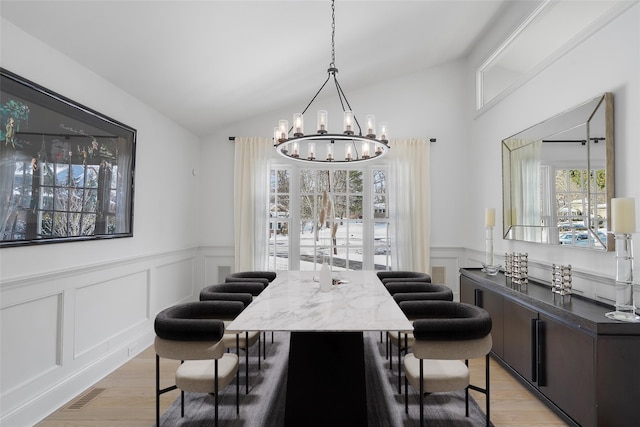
point(371, 147)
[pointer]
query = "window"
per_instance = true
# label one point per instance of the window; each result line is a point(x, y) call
point(337, 215)
point(573, 217)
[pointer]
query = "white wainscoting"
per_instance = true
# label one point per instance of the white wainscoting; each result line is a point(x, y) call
point(63, 331)
point(450, 260)
point(596, 285)
point(214, 259)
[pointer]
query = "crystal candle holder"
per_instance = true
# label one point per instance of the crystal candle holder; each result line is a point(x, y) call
point(625, 304)
point(488, 266)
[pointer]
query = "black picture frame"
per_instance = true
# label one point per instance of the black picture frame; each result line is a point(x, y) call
point(66, 171)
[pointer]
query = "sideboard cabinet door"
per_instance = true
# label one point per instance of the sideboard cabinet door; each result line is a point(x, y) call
point(520, 350)
point(569, 370)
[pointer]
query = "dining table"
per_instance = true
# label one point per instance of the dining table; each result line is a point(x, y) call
point(326, 382)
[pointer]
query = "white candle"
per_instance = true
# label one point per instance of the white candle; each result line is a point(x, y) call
point(490, 217)
point(623, 215)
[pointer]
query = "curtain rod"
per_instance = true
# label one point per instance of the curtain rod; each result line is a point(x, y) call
point(233, 138)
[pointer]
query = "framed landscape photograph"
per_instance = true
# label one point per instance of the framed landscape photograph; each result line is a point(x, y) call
point(66, 171)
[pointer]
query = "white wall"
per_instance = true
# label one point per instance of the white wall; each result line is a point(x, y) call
point(608, 61)
point(73, 312)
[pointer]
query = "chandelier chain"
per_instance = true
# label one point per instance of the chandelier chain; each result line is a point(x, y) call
point(333, 34)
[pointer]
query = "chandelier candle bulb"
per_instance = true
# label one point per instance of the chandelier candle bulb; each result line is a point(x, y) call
point(348, 155)
point(371, 126)
point(348, 122)
point(312, 151)
point(384, 131)
point(276, 135)
point(323, 118)
point(284, 130)
point(365, 150)
point(623, 213)
point(329, 152)
point(298, 125)
point(490, 217)
point(295, 152)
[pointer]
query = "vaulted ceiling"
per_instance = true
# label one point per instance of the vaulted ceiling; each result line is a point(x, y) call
point(208, 64)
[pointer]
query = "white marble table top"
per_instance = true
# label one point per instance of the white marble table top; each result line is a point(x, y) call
point(293, 302)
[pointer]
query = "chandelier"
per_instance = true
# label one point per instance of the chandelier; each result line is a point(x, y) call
point(322, 146)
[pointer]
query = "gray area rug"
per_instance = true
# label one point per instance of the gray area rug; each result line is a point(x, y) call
point(265, 403)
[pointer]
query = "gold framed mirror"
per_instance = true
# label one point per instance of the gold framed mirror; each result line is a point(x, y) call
point(558, 178)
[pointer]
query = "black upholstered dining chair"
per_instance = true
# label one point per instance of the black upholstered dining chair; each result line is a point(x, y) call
point(243, 292)
point(446, 333)
point(403, 276)
point(265, 277)
point(261, 276)
point(192, 333)
point(411, 291)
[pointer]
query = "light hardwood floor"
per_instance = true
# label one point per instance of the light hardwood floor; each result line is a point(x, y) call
point(128, 399)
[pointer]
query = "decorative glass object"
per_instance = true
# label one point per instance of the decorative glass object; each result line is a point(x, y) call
point(488, 266)
point(489, 222)
point(625, 304)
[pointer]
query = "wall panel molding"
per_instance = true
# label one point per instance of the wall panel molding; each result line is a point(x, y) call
point(90, 320)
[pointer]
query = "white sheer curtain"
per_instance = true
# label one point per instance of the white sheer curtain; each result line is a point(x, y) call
point(410, 204)
point(251, 190)
point(525, 179)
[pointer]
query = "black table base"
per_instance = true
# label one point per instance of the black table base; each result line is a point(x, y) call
point(326, 380)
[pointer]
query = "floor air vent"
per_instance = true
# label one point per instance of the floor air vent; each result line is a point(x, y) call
point(83, 400)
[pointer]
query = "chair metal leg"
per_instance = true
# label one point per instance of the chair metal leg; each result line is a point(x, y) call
point(260, 341)
point(182, 398)
point(486, 361)
point(157, 391)
point(238, 377)
point(215, 387)
point(238, 391)
point(271, 337)
point(484, 390)
point(246, 360)
point(421, 393)
point(160, 391)
point(466, 394)
point(406, 395)
point(399, 357)
point(387, 345)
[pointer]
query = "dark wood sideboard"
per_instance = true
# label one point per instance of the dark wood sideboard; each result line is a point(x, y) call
point(583, 365)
